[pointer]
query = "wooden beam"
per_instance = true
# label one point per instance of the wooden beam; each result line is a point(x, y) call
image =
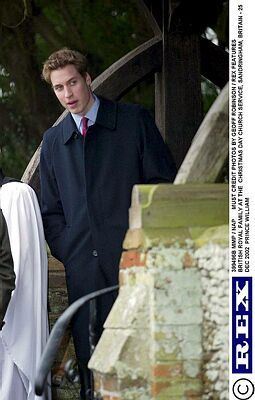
point(149, 17)
point(134, 66)
point(178, 105)
point(178, 93)
point(214, 63)
point(155, 7)
point(209, 150)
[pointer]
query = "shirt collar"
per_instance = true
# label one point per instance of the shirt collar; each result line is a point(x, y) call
point(106, 117)
point(91, 114)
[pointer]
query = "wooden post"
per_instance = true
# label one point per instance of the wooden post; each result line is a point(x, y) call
point(178, 106)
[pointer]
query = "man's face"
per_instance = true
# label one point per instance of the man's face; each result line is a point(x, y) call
point(72, 89)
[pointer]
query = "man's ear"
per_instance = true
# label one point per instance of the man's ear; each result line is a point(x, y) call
point(88, 79)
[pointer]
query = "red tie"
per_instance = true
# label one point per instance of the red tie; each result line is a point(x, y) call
point(84, 126)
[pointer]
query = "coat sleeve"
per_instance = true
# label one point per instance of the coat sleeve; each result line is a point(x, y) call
point(158, 165)
point(7, 275)
point(51, 206)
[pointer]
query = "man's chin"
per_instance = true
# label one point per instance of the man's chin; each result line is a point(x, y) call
point(73, 110)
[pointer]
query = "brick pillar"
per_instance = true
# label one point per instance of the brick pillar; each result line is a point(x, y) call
point(153, 344)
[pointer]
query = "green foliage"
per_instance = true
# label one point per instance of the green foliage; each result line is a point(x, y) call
point(104, 30)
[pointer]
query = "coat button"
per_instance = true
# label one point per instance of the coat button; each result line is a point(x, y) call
point(94, 253)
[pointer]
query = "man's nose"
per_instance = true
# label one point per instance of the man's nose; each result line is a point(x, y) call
point(67, 91)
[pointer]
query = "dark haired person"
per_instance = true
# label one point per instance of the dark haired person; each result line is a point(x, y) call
point(89, 164)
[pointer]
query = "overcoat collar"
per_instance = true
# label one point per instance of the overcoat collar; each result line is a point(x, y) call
point(106, 117)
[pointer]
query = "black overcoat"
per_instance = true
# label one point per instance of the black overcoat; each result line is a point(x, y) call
point(86, 186)
point(89, 182)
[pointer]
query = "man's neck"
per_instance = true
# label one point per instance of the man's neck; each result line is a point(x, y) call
point(91, 114)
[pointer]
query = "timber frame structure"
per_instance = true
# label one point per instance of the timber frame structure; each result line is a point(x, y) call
point(177, 55)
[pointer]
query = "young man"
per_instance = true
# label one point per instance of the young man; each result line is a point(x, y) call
point(88, 168)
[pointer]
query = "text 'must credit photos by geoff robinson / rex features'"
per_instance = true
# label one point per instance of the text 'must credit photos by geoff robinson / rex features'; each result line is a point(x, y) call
point(242, 199)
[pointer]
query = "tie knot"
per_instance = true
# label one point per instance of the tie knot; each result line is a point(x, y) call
point(84, 126)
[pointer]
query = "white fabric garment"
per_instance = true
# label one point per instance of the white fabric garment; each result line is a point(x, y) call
point(25, 332)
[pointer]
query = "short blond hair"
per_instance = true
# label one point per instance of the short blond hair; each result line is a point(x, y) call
point(61, 58)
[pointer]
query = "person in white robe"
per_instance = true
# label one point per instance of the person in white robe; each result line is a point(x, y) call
point(25, 331)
